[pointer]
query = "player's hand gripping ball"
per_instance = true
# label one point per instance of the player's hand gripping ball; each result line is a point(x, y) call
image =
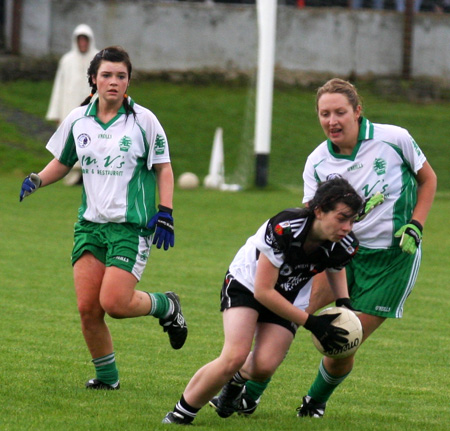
point(349, 321)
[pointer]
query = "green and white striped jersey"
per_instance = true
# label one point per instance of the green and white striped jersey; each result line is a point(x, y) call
point(116, 159)
point(385, 159)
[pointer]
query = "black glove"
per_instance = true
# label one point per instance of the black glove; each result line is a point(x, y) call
point(344, 302)
point(328, 335)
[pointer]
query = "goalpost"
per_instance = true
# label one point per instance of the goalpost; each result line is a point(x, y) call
point(256, 138)
point(267, 14)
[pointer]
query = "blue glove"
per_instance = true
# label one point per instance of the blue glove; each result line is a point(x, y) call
point(30, 185)
point(164, 233)
point(411, 236)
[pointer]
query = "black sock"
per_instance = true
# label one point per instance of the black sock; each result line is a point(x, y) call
point(234, 386)
point(238, 380)
point(184, 409)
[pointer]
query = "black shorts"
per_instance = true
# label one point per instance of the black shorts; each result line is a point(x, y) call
point(235, 294)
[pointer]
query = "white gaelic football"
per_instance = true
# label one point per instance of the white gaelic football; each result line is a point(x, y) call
point(346, 320)
point(188, 180)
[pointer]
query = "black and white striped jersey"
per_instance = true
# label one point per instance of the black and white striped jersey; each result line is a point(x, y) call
point(281, 239)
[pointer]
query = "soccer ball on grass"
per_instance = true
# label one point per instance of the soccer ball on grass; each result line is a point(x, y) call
point(349, 321)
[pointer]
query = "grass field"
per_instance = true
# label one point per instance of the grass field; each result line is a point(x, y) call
point(191, 114)
point(401, 381)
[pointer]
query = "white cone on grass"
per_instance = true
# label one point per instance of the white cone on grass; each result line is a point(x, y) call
point(216, 176)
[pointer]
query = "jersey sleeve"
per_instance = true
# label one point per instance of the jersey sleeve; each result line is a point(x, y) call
point(274, 238)
point(309, 181)
point(156, 138)
point(411, 151)
point(62, 142)
point(343, 252)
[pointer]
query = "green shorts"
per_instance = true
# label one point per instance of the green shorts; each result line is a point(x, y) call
point(114, 244)
point(379, 281)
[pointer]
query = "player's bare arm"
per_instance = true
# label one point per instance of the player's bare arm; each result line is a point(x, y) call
point(53, 172)
point(427, 183)
point(164, 175)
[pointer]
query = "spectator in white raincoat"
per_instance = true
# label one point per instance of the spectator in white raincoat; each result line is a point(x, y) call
point(71, 85)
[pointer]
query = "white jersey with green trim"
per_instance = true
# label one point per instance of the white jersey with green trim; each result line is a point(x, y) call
point(116, 158)
point(385, 159)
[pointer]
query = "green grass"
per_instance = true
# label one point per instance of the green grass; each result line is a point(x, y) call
point(401, 379)
point(190, 115)
point(400, 382)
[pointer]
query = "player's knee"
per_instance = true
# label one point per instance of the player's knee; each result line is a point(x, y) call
point(233, 362)
point(90, 315)
point(114, 308)
point(89, 310)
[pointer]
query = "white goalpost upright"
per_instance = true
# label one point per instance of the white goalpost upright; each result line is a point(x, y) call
point(261, 134)
point(267, 16)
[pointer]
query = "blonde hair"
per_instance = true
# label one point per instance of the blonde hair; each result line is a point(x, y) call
point(337, 85)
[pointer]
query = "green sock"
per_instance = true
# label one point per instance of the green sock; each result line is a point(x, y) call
point(324, 385)
point(255, 389)
point(106, 370)
point(160, 305)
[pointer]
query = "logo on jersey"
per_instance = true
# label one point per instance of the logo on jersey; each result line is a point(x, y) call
point(355, 167)
point(333, 176)
point(294, 282)
point(284, 227)
point(379, 166)
point(160, 145)
point(285, 270)
point(269, 237)
point(104, 136)
point(351, 250)
point(416, 147)
point(143, 257)
point(83, 140)
point(122, 258)
point(125, 144)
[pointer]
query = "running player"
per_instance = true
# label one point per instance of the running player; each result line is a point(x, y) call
point(267, 289)
point(124, 155)
point(373, 158)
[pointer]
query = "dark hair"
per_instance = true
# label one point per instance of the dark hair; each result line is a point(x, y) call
point(115, 54)
point(335, 191)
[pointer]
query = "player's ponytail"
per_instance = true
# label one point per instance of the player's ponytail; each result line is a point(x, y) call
point(89, 98)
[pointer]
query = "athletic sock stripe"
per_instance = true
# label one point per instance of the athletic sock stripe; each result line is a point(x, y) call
point(239, 379)
point(330, 379)
point(153, 301)
point(104, 360)
point(179, 408)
